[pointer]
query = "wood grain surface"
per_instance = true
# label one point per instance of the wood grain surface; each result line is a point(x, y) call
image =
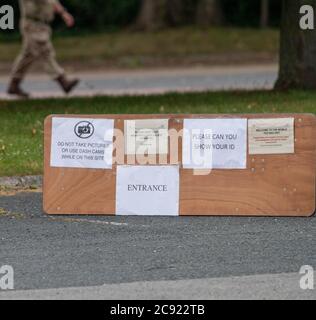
point(272, 185)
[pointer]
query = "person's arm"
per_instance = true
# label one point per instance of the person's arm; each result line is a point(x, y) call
point(66, 16)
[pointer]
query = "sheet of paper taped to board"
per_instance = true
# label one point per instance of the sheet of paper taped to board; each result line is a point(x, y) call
point(271, 136)
point(146, 136)
point(147, 190)
point(82, 143)
point(214, 144)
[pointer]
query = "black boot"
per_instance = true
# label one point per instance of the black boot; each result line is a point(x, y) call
point(15, 88)
point(67, 85)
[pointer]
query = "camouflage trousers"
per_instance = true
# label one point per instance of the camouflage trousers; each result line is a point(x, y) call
point(37, 48)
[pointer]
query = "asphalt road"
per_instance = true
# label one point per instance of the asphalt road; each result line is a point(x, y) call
point(148, 257)
point(155, 81)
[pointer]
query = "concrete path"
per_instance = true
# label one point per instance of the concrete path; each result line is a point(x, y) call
point(276, 286)
point(155, 81)
point(150, 257)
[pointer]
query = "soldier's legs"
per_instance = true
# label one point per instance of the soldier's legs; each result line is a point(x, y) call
point(52, 67)
point(38, 49)
point(23, 63)
point(34, 51)
point(47, 56)
point(20, 68)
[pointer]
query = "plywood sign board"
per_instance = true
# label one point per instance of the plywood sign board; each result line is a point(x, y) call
point(261, 164)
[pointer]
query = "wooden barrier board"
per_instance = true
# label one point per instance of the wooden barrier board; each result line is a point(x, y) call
point(271, 185)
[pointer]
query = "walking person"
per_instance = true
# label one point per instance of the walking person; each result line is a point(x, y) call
point(36, 16)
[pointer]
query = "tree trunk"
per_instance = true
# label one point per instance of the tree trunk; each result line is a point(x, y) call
point(297, 49)
point(175, 12)
point(264, 18)
point(209, 13)
point(152, 15)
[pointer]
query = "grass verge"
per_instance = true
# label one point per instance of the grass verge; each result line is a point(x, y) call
point(136, 49)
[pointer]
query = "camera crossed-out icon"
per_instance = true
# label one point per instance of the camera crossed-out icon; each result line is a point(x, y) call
point(84, 129)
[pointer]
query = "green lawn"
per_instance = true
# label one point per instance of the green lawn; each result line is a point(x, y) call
point(21, 123)
point(135, 49)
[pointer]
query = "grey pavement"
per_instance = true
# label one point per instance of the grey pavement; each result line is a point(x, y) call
point(259, 287)
point(150, 257)
point(155, 81)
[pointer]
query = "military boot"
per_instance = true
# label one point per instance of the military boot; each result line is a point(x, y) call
point(15, 88)
point(67, 85)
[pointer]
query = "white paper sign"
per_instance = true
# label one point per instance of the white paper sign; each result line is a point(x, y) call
point(215, 144)
point(146, 136)
point(271, 136)
point(82, 143)
point(147, 190)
